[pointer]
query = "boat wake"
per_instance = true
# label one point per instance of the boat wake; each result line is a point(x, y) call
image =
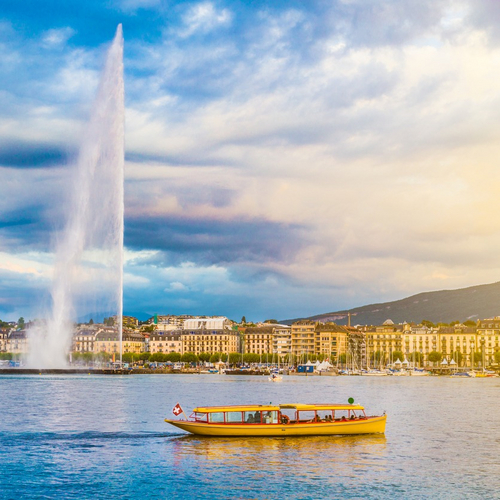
point(8, 438)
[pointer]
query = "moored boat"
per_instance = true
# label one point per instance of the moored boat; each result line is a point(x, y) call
point(417, 372)
point(374, 373)
point(281, 420)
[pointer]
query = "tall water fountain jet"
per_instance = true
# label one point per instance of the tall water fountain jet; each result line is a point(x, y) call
point(88, 271)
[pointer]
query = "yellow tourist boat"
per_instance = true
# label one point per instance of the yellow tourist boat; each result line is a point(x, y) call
point(280, 420)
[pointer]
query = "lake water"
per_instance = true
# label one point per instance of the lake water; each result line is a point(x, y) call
point(87, 436)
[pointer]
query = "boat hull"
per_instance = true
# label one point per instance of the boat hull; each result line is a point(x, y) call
point(371, 425)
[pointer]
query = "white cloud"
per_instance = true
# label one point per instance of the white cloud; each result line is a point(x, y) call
point(203, 18)
point(57, 37)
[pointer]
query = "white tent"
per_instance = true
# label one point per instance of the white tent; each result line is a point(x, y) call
point(309, 363)
point(406, 362)
point(324, 366)
point(317, 364)
point(444, 362)
point(397, 362)
point(453, 362)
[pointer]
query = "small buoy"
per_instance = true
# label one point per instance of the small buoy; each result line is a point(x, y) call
point(350, 401)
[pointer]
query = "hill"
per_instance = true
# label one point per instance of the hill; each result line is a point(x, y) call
point(475, 302)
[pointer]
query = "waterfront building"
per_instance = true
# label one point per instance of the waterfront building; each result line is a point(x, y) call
point(166, 342)
point(169, 319)
point(458, 343)
point(17, 342)
point(331, 340)
point(83, 339)
point(258, 340)
point(3, 340)
point(488, 335)
point(214, 323)
point(108, 340)
point(303, 338)
point(419, 339)
point(282, 341)
point(211, 341)
point(382, 342)
point(130, 322)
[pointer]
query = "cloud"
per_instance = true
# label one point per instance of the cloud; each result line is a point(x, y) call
point(202, 18)
point(56, 37)
point(23, 155)
point(329, 154)
point(208, 241)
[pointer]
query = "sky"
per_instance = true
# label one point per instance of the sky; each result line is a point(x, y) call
point(283, 158)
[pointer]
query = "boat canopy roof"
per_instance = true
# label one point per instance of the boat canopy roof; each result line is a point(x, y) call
point(304, 407)
point(299, 407)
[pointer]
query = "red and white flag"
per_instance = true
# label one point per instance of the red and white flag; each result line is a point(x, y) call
point(177, 410)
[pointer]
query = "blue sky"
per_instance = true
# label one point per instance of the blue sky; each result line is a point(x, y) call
point(283, 159)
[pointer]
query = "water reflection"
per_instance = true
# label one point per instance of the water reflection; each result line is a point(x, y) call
point(308, 455)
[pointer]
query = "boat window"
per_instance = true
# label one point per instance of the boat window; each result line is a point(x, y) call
point(233, 417)
point(270, 417)
point(216, 417)
point(341, 415)
point(200, 417)
point(307, 416)
point(288, 416)
point(253, 417)
point(325, 415)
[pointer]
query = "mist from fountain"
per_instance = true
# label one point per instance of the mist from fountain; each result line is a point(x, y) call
point(88, 269)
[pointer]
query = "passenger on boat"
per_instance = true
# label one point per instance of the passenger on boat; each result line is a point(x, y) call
point(343, 419)
point(250, 419)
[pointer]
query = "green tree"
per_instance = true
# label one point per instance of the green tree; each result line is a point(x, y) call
point(128, 357)
point(223, 358)
point(20, 323)
point(469, 323)
point(428, 324)
point(144, 356)
point(204, 357)
point(243, 320)
point(88, 357)
point(76, 356)
point(91, 322)
point(189, 357)
point(234, 358)
point(435, 357)
point(397, 355)
point(343, 358)
point(157, 357)
point(478, 357)
point(251, 357)
point(271, 321)
point(173, 357)
point(103, 356)
point(215, 357)
point(497, 357)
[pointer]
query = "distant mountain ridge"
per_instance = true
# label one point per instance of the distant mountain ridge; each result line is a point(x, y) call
point(473, 303)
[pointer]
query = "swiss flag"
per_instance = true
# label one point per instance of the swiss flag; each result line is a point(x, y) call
point(177, 410)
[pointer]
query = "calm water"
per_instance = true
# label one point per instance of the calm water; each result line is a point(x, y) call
point(103, 437)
